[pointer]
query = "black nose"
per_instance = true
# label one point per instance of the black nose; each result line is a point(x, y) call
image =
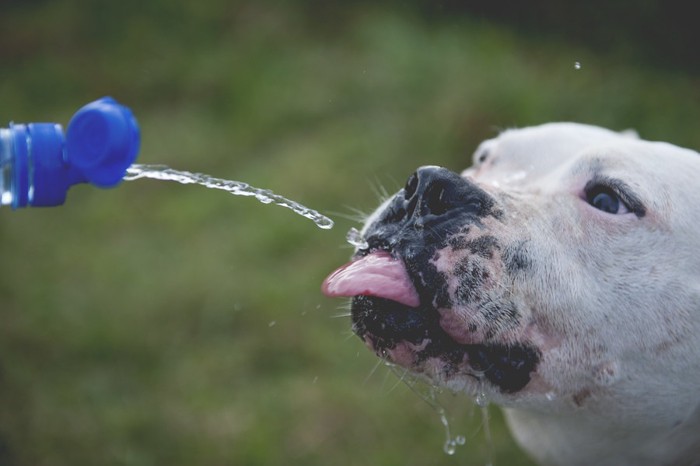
point(432, 193)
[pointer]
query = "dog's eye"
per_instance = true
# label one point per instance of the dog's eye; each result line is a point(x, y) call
point(482, 156)
point(606, 199)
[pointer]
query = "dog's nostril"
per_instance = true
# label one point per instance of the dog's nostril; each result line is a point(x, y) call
point(411, 186)
point(436, 199)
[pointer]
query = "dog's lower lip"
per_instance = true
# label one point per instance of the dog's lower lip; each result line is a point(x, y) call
point(385, 325)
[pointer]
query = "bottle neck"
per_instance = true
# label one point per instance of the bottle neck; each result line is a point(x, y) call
point(6, 166)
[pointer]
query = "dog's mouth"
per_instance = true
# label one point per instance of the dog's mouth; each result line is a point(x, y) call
point(389, 315)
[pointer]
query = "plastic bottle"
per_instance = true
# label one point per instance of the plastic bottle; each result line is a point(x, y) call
point(38, 163)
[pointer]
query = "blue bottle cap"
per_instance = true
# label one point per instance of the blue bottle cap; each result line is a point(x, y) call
point(51, 175)
point(102, 141)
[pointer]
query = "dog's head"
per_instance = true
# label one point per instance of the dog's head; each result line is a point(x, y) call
point(561, 270)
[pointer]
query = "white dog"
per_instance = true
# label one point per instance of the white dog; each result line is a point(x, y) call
point(561, 274)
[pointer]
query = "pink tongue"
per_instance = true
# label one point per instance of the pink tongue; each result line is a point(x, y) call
point(377, 274)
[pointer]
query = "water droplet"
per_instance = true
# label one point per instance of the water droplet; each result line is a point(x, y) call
point(577, 65)
point(443, 419)
point(238, 188)
point(450, 446)
point(356, 240)
point(488, 439)
point(551, 396)
point(481, 399)
point(451, 443)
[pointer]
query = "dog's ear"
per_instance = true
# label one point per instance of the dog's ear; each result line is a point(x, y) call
point(630, 133)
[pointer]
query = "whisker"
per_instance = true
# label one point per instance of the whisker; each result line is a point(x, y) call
point(372, 372)
point(395, 182)
point(378, 190)
point(401, 379)
point(429, 397)
point(387, 374)
point(434, 231)
point(355, 215)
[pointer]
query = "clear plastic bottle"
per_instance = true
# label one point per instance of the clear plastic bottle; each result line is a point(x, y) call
point(38, 163)
point(5, 167)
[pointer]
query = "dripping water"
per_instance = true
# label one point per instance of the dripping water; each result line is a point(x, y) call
point(429, 393)
point(432, 394)
point(355, 239)
point(238, 188)
point(451, 441)
point(482, 401)
point(486, 422)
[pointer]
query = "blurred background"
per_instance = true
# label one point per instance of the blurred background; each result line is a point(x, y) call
point(160, 324)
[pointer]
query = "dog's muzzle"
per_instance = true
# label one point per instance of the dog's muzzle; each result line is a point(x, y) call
point(397, 289)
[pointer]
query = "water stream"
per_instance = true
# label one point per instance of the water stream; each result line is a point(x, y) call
point(238, 188)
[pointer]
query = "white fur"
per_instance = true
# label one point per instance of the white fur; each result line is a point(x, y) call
point(614, 299)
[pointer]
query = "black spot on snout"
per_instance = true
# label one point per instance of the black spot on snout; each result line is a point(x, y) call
point(472, 277)
point(516, 258)
point(508, 367)
point(483, 246)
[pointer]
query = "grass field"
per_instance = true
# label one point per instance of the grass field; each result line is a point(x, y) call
point(157, 324)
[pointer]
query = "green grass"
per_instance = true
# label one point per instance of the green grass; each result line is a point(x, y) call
point(163, 324)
